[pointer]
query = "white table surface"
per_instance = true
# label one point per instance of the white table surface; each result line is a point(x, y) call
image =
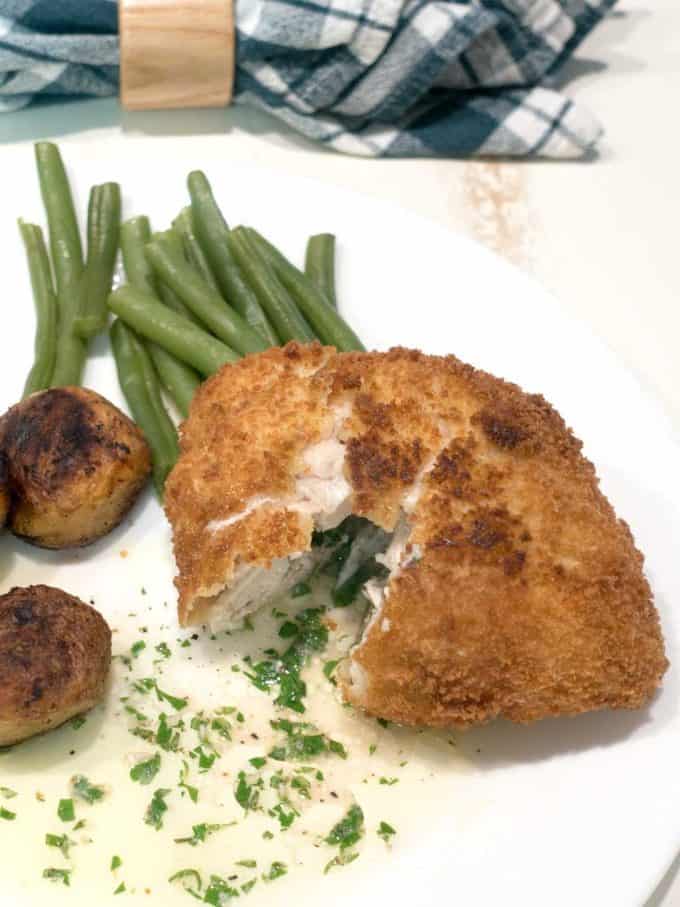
point(602, 235)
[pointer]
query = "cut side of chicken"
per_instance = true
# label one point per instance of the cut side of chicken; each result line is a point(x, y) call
point(510, 587)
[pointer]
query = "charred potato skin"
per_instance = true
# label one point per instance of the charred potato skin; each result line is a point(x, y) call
point(4, 490)
point(76, 465)
point(55, 654)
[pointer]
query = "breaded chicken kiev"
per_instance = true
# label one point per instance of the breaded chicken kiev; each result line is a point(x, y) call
point(513, 589)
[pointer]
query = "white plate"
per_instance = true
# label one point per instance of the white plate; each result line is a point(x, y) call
point(579, 811)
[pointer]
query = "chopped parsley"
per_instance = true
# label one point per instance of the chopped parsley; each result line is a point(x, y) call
point(219, 891)
point(302, 786)
point(82, 788)
point(186, 876)
point(288, 629)
point(58, 875)
point(386, 832)
point(145, 772)
point(348, 830)
point(157, 808)
point(300, 589)
point(258, 761)
point(7, 793)
point(120, 889)
point(167, 736)
point(162, 649)
point(137, 648)
point(276, 870)
point(247, 795)
point(205, 760)
point(247, 623)
point(286, 814)
point(192, 791)
point(222, 726)
point(146, 684)
point(66, 811)
point(300, 744)
point(342, 859)
point(77, 722)
point(136, 714)
point(63, 842)
point(7, 814)
point(249, 864)
point(248, 886)
point(176, 702)
point(346, 593)
point(284, 669)
point(329, 668)
point(267, 835)
point(389, 781)
point(116, 863)
point(199, 834)
point(372, 748)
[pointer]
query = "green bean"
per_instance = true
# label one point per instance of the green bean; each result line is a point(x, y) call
point(174, 333)
point(153, 388)
point(222, 320)
point(274, 298)
point(71, 349)
point(65, 244)
point(174, 239)
point(330, 327)
point(67, 261)
point(172, 301)
point(134, 235)
point(134, 378)
point(320, 264)
point(212, 231)
point(184, 224)
point(103, 226)
point(45, 301)
point(166, 293)
point(180, 381)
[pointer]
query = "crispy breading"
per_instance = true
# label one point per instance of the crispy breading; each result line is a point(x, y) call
point(244, 438)
point(519, 592)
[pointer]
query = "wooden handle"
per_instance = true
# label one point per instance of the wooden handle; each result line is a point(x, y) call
point(176, 53)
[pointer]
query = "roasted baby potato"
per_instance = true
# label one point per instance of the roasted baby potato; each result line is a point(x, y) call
point(76, 465)
point(55, 653)
point(4, 490)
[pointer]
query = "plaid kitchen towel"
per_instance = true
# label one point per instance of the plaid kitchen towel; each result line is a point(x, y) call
point(371, 77)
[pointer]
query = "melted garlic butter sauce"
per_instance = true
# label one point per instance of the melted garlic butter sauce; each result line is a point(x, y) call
point(429, 771)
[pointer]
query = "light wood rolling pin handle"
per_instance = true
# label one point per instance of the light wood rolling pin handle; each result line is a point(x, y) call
point(176, 53)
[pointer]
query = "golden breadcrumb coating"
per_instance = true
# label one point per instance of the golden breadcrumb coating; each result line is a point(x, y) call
point(520, 593)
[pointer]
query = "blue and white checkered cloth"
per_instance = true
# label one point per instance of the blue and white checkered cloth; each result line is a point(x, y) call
point(388, 78)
